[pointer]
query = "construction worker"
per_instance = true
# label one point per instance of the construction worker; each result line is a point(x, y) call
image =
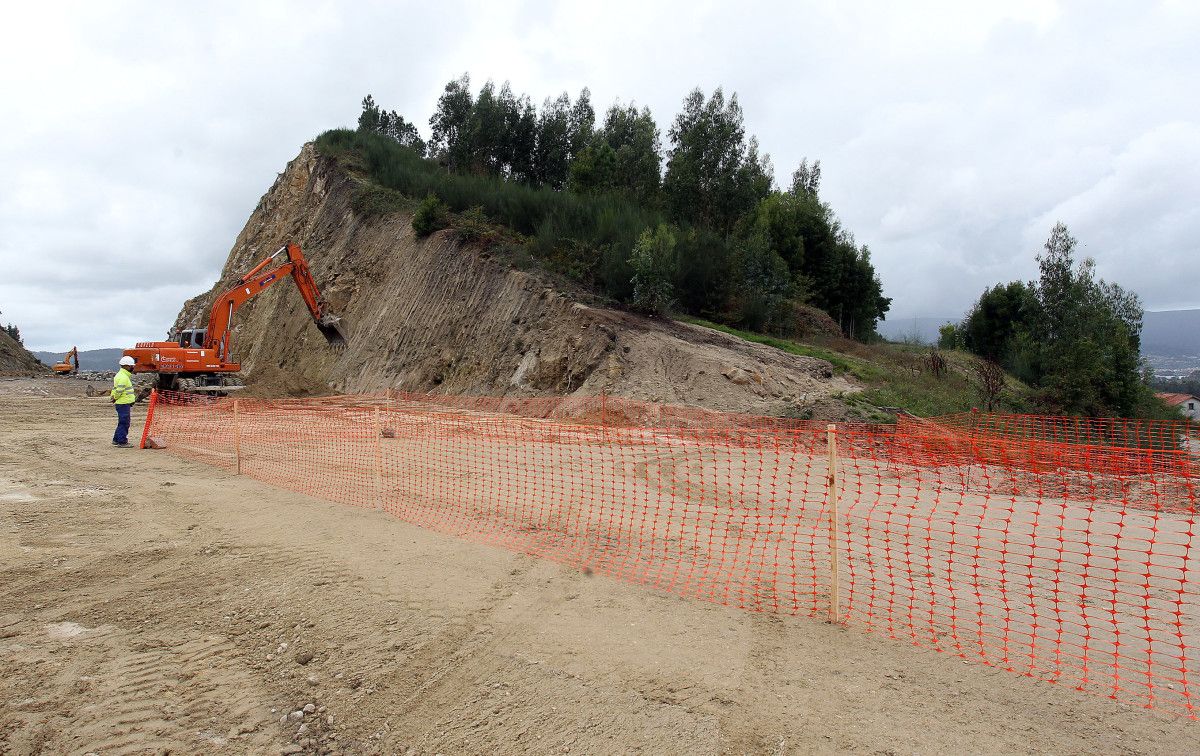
point(123, 397)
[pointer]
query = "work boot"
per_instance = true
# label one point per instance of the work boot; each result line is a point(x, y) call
point(125, 445)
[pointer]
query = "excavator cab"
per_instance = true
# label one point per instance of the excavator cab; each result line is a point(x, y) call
point(192, 338)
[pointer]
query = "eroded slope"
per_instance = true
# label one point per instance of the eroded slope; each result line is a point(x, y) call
point(437, 315)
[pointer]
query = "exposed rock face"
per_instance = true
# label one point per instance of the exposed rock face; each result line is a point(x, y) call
point(436, 315)
point(16, 360)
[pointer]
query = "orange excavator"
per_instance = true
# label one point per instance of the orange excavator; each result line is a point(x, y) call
point(66, 367)
point(201, 359)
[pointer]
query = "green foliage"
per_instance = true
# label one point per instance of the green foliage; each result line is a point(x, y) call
point(703, 283)
point(473, 225)
point(763, 285)
point(714, 176)
point(372, 200)
point(597, 232)
point(431, 215)
point(654, 263)
point(806, 179)
point(1074, 337)
point(451, 142)
point(826, 268)
point(1150, 406)
point(390, 124)
point(993, 327)
point(623, 157)
point(14, 332)
point(584, 195)
point(949, 337)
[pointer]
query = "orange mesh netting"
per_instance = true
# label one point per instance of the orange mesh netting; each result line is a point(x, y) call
point(1039, 545)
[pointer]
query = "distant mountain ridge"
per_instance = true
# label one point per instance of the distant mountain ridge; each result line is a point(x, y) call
point(1167, 332)
point(89, 359)
point(1171, 333)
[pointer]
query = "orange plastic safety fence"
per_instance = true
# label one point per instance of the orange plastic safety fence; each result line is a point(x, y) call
point(1158, 435)
point(1065, 561)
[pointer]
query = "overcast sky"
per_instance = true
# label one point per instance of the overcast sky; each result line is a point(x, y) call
point(138, 136)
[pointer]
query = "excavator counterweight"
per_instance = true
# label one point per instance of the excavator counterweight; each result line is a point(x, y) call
point(201, 359)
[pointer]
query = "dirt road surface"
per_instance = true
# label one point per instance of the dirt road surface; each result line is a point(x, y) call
point(151, 605)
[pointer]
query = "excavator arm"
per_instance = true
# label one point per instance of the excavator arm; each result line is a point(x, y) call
point(258, 280)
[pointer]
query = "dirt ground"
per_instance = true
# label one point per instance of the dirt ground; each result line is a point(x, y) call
point(149, 604)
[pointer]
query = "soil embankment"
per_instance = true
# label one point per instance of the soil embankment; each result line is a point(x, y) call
point(437, 315)
point(16, 360)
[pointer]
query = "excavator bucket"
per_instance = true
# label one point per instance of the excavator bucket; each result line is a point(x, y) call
point(331, 328)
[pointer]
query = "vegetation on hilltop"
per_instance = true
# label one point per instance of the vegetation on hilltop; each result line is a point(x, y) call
point(1073, 337)
point(579, 196)
point(697, 227)
point(13, 332)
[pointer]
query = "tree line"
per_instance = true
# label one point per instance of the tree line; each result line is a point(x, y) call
point(1073, 337)
point(696, 224)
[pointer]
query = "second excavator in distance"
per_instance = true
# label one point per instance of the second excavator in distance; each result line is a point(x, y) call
point(201, 359)
point(66, 367)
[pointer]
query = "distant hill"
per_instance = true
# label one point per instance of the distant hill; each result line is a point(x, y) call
point(923, 329)
point(1171, 332)
point(89, 359)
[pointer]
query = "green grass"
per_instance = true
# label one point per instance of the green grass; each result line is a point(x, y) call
point(842, 363)
point(894, 375)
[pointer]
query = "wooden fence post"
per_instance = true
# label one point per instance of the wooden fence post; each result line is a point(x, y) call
point(378, 461)
point(834, 610)
point(237, 438)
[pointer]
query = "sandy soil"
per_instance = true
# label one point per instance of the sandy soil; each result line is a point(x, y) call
point(150, 604)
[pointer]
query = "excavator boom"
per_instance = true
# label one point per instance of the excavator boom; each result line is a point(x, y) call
point(202, 357)
point(257, 281)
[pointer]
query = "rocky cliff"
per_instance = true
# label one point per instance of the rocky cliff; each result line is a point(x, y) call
point(438, 315)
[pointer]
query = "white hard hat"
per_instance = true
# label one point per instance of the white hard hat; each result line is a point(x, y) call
point(127, 361)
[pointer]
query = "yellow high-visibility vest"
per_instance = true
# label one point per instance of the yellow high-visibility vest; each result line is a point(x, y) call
point(123, 392)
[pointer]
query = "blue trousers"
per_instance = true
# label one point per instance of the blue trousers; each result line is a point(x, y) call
point(122, 434)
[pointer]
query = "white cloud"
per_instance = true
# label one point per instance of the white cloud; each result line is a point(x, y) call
point(952, 134)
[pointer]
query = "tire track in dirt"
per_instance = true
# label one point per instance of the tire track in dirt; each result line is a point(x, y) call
point(138, 678)
point(429, 662)
point(157, 698)
point(209, 594)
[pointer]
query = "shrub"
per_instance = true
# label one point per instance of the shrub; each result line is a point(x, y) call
point(653, 262)
point(431, 215)
point(473, 225)
point(369, 201)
